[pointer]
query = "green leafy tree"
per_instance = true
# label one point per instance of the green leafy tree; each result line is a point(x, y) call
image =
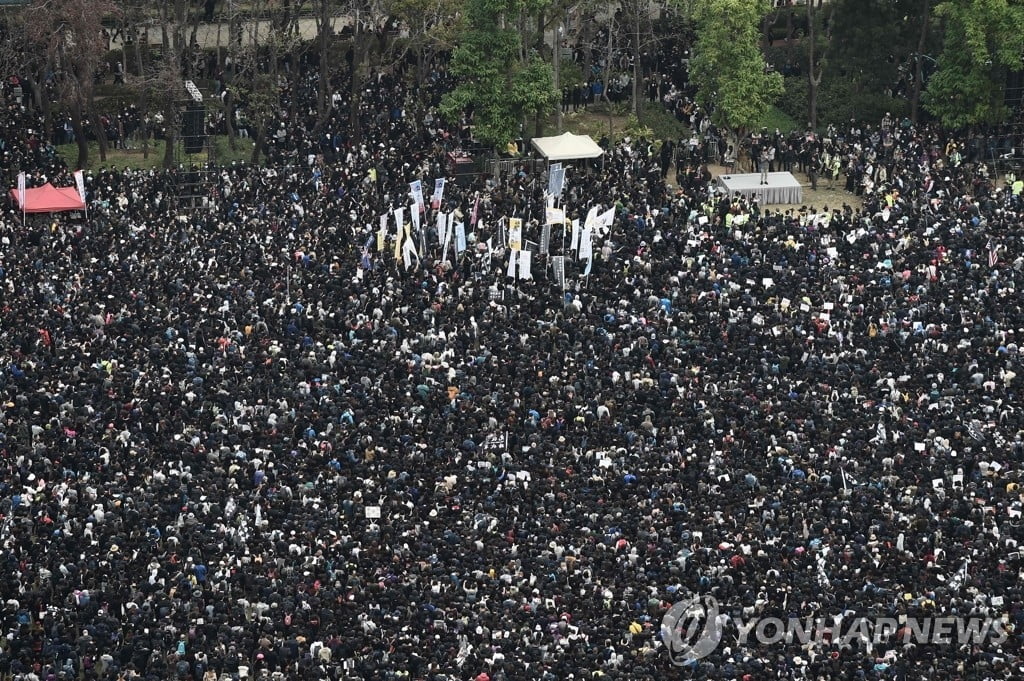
point(984, 39)
point(500, 81)
point(729, 68)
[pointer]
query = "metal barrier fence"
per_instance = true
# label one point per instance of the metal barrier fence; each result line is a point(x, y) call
point(502, 167)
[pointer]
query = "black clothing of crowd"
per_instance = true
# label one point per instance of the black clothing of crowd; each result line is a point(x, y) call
point(203, 409)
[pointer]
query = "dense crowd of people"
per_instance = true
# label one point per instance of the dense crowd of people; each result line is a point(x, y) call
point(251, 438)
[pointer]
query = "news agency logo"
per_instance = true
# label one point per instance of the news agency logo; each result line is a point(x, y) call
point(693, 628)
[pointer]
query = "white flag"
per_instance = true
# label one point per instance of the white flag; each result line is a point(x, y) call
point(591, 217)
point(21, 190)
point(415, 218)
point(575, 235)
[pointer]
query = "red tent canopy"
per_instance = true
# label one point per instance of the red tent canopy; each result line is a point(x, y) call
point(49, 199)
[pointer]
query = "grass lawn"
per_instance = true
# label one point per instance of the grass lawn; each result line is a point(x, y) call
point(775, 118)
point(595, 122)
point(134, 157)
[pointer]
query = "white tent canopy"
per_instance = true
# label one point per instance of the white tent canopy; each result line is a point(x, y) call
point(567, 146)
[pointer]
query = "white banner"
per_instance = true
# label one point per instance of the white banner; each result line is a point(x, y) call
point(21, 191)
point(513, 257)
point(556, 179)
point(399, 218)
point(442, 227)
point(80, 183)
point(515, 233)
point(416, 190)
point(449, 233)
point(525, 257)
point(554, 216)
point(558, 266)
point(409, 252)
point(415, 213)
point(586, 244)
point(435, 199)
point(460, 237)
point(575, 235)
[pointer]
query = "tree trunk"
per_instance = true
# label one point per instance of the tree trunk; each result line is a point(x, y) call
point(607, 82)
point(47, 109)
point(766, 27)
point(354, 98)
point(97, 125)
point(636, 61)
point(173, 50)
point(813, 73)
point(922, 41)
point(101, 134)
point(557, 73)
point(229, 119)
point(323, 82)
point(541, 45)
point(296, 76)
point(169, 142)
point(815, 62)
point(258, 143)
point(143, 98)
point(588, 53)
point(80, 140)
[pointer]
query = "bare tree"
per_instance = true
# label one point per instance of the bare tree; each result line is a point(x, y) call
point(70, 34)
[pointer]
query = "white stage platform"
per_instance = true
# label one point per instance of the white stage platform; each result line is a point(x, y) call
point(781, 187)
